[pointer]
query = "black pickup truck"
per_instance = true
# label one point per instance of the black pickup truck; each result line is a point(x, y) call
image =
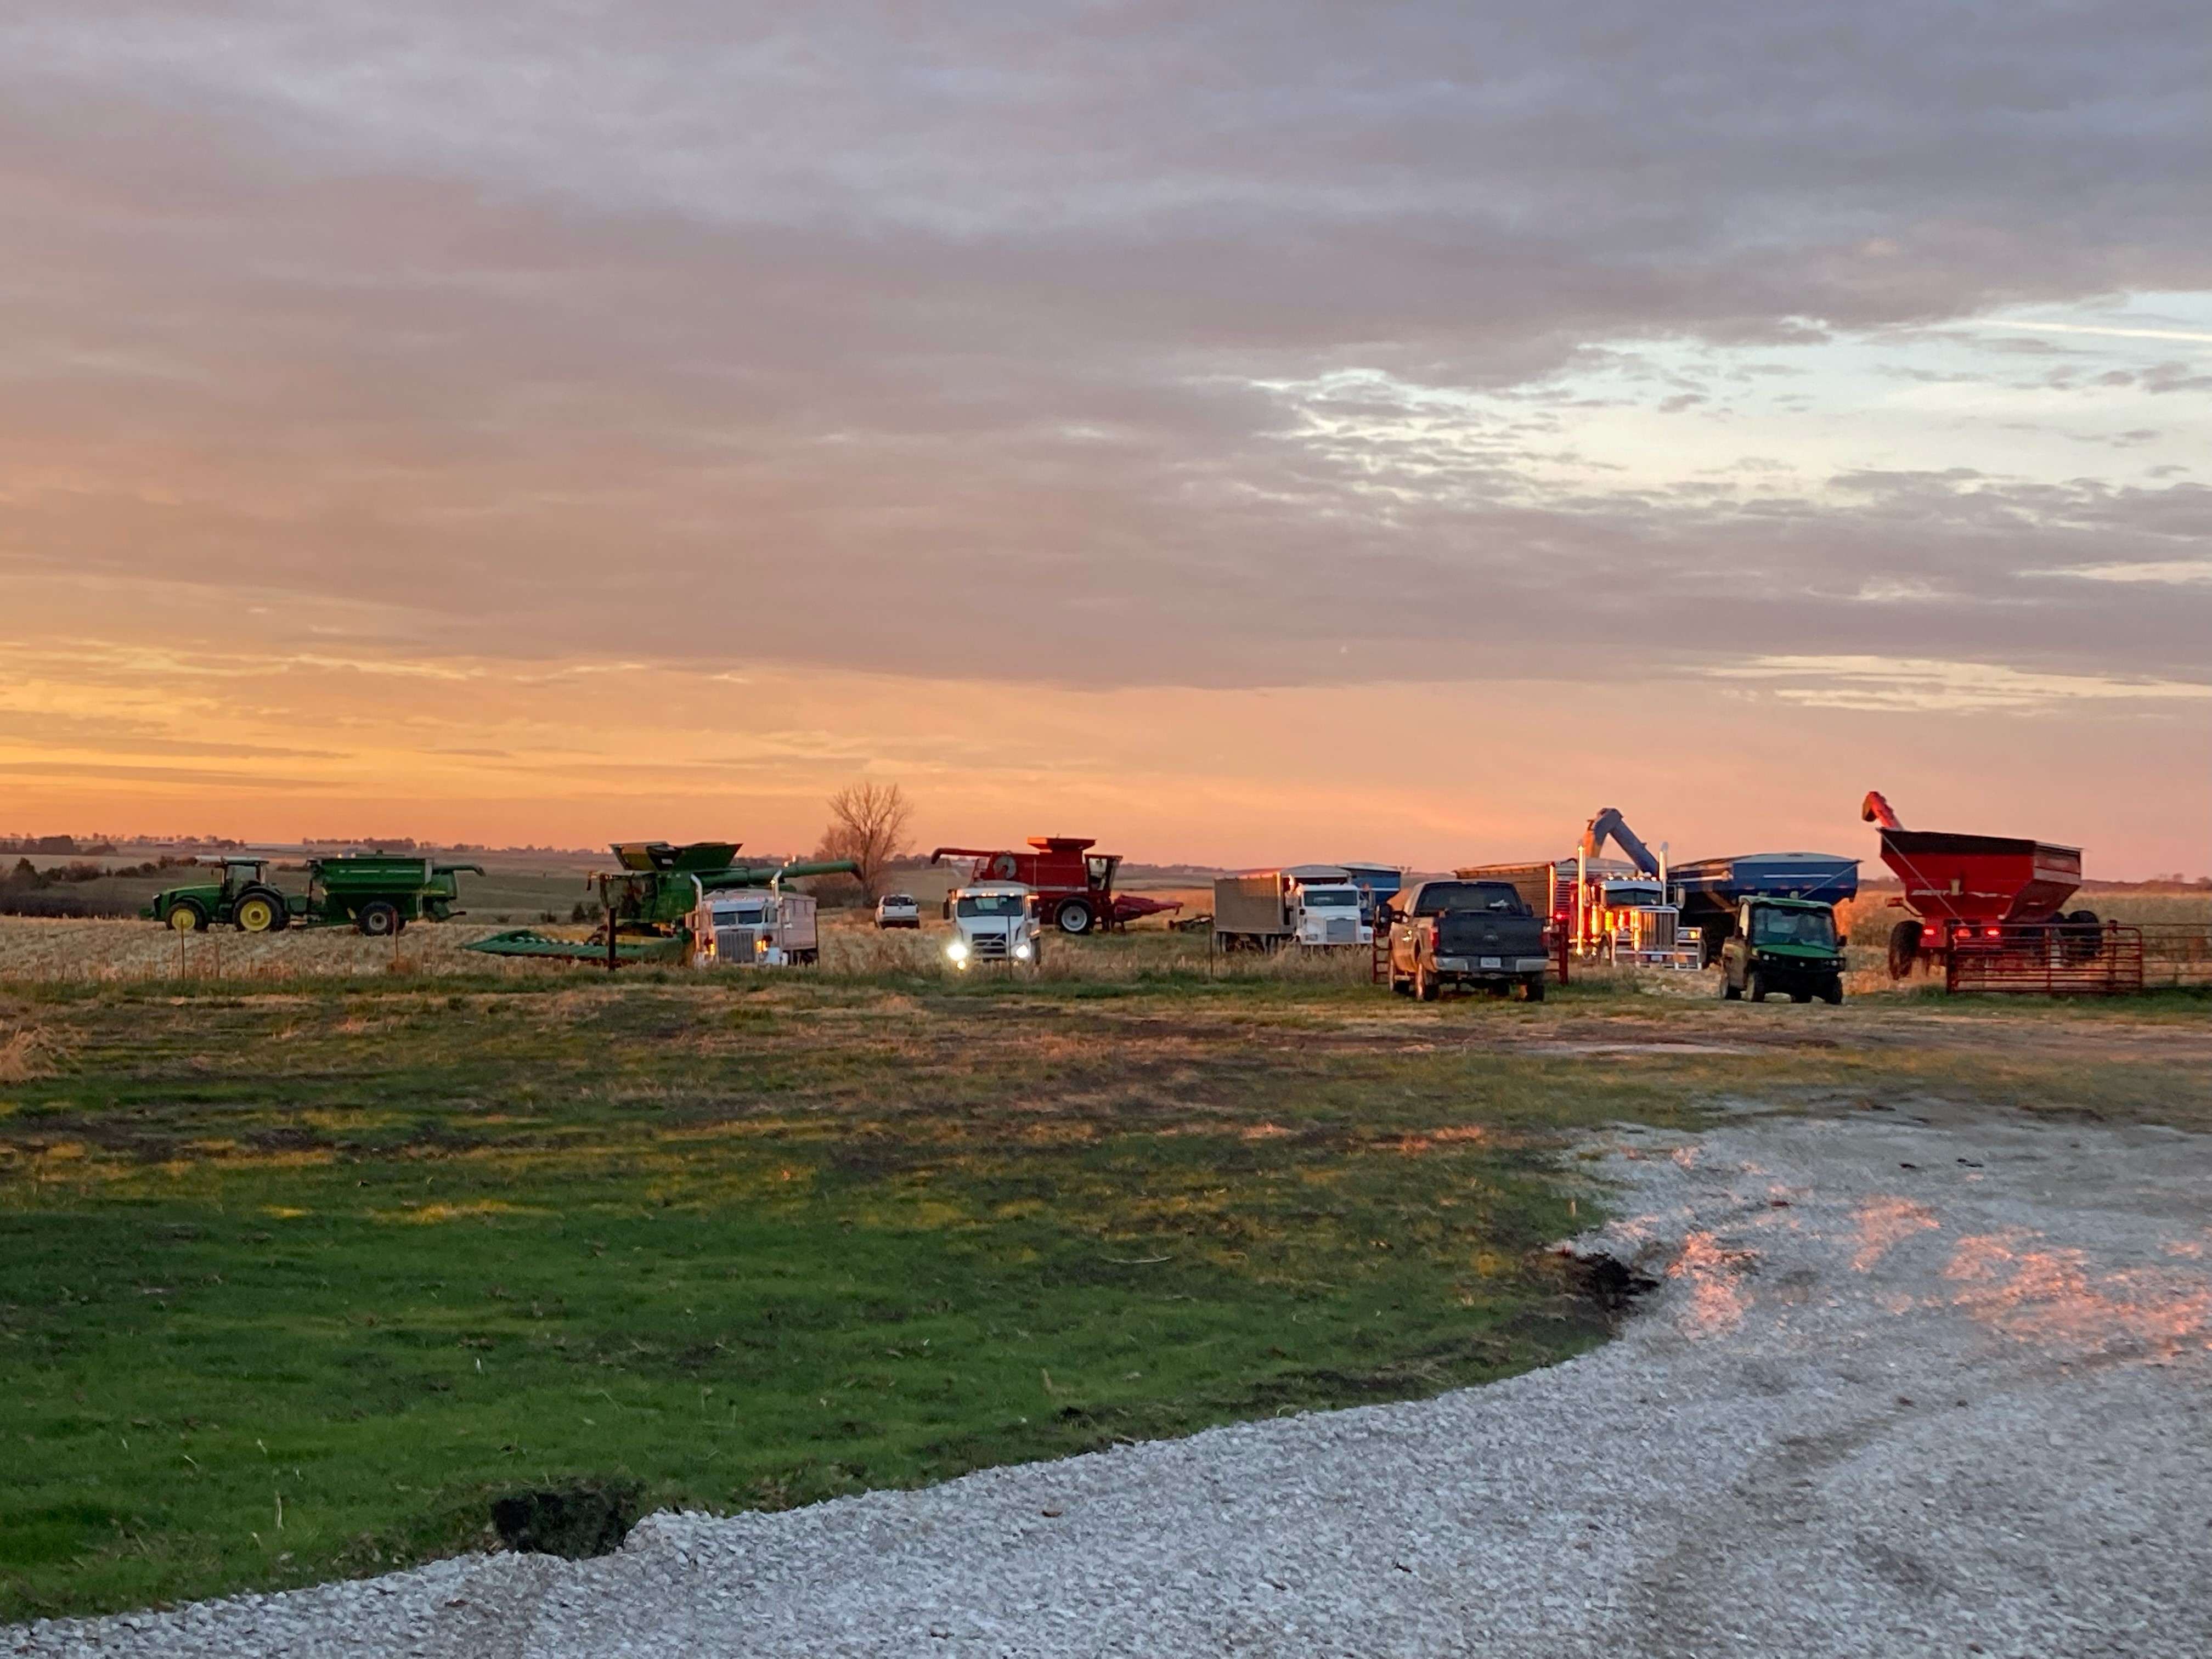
point(1468, 933)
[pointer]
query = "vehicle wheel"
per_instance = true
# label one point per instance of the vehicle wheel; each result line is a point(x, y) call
point(1754, 985)
point(1074, 917)
point(1832, 991)
point(1532, 990)
point(1401, 986)
point(1903, 948)
point(257, 913)
point(377, 919)
point(186, 917)
point(1426, 987)
point(1730, 991)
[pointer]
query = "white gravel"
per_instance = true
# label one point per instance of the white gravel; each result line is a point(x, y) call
point(1875, 1409)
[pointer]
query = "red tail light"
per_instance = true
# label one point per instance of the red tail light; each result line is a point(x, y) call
point(1990, 932)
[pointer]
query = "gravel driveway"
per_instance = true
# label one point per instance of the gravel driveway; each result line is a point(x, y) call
point(1909, 1387)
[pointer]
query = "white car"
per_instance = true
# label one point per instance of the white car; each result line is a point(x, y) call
point(994, 921)
point(898, 910)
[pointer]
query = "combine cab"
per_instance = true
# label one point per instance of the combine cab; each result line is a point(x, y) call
point(1986, 906)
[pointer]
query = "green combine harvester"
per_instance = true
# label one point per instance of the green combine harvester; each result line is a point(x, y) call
point(375, 893)
point(649, 902)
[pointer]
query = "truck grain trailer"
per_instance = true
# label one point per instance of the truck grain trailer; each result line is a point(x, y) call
point(1986, 912)
point(1310, 905)
point(1073, 886)
point(1709, 892)
point(374, 893)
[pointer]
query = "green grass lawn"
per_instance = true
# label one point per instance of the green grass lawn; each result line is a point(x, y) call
point(295, 1285)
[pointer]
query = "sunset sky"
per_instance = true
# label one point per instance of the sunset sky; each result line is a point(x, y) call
point(1242, 432)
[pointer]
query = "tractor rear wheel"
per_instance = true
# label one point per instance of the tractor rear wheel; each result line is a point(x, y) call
point(1903, 948)
point(257, 912)
point(1074, 917)
point(377, 919)
point(186, 916)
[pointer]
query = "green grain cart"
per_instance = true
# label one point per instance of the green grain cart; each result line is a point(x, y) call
point(375, 893)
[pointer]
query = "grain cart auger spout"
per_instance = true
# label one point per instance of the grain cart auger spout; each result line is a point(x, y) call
point(648, 903)
point(1609, 821)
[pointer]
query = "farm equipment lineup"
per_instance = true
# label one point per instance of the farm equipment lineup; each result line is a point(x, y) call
point(1983, 913)
point(374, 893)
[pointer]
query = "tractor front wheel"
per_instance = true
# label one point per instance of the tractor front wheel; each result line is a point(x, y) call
point(377, 919)
point(186, 917)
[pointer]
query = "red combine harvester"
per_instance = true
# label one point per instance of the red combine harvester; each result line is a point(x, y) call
point(1074, 885)
point(1989, 916)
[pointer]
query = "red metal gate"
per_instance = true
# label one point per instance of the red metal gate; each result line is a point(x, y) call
point(2047, 959)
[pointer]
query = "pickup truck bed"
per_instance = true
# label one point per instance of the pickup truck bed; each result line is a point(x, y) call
point(1466, 933)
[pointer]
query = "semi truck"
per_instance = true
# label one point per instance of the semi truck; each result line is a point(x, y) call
point(374, 893)
point(994, 921)
point(1313, 906)
point(755, 927)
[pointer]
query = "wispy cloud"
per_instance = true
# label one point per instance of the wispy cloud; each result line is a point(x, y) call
point(1902, 684)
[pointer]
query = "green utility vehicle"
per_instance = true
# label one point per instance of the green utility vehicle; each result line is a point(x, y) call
point(1784, 944)
point(377, 893)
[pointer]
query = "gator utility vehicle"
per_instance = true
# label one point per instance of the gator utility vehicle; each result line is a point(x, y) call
point(1466, 933)
point(376, 893)
point(1786, 945)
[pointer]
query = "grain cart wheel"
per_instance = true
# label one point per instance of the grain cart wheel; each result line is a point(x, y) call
point(186, 916)
point(377, 919)
point(1074, 917)
point(257, 912)
point(1903, 948)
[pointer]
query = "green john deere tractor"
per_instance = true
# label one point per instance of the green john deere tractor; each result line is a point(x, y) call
point(375, 893)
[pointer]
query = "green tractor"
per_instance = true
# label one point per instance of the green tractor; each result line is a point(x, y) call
point(1784, 944)
point(374, 893)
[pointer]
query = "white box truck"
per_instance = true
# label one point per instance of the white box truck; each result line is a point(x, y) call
point(1313, 906)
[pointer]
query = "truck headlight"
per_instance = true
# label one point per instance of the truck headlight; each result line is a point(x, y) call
point(1021, 951)
point(958, 951)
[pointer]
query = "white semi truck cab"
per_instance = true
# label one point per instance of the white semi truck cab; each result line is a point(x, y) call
point(1328, 912)
point(755, 927)
point(994, 921)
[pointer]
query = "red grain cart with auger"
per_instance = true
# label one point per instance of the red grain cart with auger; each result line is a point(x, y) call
point(1074, 885)
point(1988, 916)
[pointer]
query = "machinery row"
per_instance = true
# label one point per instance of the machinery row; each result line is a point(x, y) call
point(1981, 912)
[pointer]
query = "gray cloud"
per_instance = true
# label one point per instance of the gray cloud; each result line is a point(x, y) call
point(933, 332)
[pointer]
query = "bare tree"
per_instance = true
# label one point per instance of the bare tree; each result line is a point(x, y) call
point(868, 825)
